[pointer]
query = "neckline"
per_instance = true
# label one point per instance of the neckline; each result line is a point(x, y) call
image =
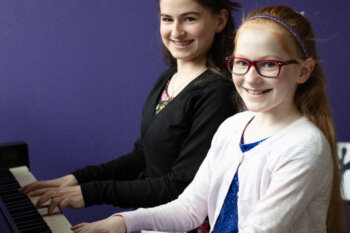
point(188, 85)
point(174, 74)
point(157, 95)
point(270, 139)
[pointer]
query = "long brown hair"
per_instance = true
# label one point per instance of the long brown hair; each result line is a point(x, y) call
point(223, 41)
point(312, 100)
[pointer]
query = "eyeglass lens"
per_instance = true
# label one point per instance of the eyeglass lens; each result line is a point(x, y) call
point(264, 68)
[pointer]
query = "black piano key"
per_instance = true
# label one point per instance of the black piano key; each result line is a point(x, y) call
point(23, 221)
point(36, 230)
point(23, 212)
point(21, 209)
point(30, 225)
point(28, 221)
point(19, 204)
point(9, 193)
point(8, 188)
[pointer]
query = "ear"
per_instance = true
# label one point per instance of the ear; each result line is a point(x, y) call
point(222, 20)
point(307, 67)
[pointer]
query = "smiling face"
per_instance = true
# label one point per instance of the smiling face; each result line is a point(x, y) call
point(187, 29)
point(260, 94)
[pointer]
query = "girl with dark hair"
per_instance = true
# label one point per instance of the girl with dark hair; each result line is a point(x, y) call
point(270, 169)
point(184, 109)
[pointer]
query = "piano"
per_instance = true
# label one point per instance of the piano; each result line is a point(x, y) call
point(17, 211)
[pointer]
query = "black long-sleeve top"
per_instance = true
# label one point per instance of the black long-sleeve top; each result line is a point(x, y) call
point(169, 151)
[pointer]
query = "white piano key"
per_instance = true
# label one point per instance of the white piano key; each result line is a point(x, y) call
point(58, 223)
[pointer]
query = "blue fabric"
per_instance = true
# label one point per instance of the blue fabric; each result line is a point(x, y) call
point(228, 218)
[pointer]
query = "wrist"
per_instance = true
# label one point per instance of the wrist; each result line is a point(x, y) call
point(119, 222)
point(70, 180)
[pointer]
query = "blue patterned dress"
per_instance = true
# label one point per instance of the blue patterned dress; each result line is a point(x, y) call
point(228, 219)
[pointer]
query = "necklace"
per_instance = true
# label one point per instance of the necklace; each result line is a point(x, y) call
point(176, 90)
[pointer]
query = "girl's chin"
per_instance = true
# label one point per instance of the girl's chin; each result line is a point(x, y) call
point(255, 107)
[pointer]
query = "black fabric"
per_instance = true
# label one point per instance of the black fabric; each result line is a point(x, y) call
point(170, 149)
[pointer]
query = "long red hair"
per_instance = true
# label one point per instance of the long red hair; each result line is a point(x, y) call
point(312, 100)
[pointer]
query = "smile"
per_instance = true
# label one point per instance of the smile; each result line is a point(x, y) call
point(257, 92)
point(182, 43)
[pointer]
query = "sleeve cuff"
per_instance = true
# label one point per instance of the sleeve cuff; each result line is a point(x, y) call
point(134, 220)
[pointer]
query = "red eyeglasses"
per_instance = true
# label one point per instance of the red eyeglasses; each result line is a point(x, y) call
point(265, 68)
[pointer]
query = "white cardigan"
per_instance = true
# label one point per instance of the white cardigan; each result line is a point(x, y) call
point(284, 183)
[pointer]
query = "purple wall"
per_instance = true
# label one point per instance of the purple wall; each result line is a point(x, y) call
point(75, 74)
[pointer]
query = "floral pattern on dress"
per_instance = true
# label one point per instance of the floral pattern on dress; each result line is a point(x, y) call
point(165, 99)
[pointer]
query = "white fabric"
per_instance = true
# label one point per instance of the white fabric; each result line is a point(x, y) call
point(284, 183)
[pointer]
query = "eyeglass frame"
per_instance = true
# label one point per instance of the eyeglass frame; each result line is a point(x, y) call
point(254, 63)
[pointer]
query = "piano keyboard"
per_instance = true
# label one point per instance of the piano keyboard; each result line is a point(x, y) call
point(20, 207)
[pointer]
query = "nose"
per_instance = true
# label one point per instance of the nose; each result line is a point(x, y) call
point(252, 76)
point(177, 30)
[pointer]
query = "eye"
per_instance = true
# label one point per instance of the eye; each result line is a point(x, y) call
point(166, 19)
point(268, 64)
point(189, 19)
point(240, 62)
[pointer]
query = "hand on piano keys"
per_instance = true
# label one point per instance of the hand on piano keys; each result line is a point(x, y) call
point(23, 211)
point(65, 181)
point(58, 197)
point(60, 192)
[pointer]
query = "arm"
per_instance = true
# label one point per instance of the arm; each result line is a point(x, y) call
point(182, 214)
point(65, 191)
point(125, 167)
point(113, 224)
point(207, 112)
point(118, 169)
point(128, 166)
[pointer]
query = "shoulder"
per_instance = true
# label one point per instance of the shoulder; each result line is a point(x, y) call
point(233, 125)
point(303, 140)
point(209, 86)
point(211, 80)
point(305, 132)
point(209, 90)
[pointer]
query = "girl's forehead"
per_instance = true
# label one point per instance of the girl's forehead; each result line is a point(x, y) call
point(178, 5)
point(267, 26)
point(259, 40)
